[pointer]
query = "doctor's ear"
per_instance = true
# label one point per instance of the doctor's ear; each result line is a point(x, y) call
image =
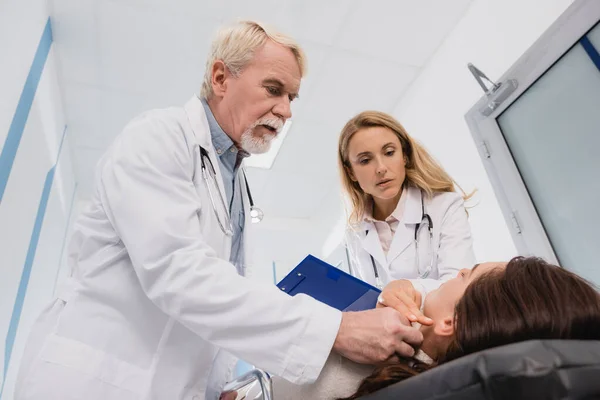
point(219, 75)
point(350, 173)
point(444, 327)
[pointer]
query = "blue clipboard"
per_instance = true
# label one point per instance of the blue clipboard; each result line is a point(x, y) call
point(329, 285)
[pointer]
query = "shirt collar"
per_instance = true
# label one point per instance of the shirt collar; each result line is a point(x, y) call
point(396, 214)
point(221, 141)
point(424, 358)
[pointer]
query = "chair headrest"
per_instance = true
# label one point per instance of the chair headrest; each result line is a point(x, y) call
point(536, 369)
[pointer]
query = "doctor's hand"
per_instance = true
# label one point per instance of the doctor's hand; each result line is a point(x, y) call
point(373, 336)
point(402, 296)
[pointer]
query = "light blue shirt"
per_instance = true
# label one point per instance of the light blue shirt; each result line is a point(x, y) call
point(230, 159)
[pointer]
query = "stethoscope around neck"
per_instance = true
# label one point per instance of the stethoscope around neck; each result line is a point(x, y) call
point(256, 214)
point(424, 274)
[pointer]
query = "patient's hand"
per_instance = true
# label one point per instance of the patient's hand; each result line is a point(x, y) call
point(402, 296)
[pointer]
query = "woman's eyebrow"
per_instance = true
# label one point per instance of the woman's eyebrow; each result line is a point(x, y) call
point(473, 269)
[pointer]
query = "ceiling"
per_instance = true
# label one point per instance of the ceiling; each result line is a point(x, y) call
point(119, 58)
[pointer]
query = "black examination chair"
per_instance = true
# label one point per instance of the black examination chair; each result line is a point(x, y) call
point(537, 369)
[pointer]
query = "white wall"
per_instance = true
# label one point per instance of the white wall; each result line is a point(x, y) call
point(36, 204)
point(319, 236)
point(300, 239)
point(492, 35)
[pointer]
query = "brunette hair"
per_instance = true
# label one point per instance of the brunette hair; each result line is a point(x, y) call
point(530, 299)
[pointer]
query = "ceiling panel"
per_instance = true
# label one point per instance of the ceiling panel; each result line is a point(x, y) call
point(185, 9)
point(406, 32)
point(264, 10)
point(119, 58)
point(350, 83)
point(75, 36)
point(316, 55)
point(97, 114)
point(148, 51)
point(310, 146)
point(292, 194)
point(313, 20)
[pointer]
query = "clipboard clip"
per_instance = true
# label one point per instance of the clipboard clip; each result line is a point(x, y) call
point(297, 279)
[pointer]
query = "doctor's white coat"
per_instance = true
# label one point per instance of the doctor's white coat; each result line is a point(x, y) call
point(153, 310)
point(449, 250)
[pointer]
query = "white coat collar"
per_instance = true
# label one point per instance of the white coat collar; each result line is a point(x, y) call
point(412, 208)
point(404, 234)
point(199, 122)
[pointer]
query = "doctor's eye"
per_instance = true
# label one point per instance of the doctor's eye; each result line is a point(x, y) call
point(273, 91)
point(390, 153)
point(364, 161)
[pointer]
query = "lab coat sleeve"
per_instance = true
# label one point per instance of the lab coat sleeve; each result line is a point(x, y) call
point(455, 248)
point(147, 191)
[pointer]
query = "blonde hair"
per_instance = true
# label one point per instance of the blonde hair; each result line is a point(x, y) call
point(236, 44)
point(422, 170)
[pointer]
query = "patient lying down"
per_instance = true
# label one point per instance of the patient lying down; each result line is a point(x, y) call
point(493, 304)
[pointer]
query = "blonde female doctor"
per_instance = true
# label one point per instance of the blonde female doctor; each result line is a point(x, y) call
point(408, 230)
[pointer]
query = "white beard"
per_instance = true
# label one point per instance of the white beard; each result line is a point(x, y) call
point(255, 144)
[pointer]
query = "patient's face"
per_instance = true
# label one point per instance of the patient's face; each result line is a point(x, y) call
point(439, 306)
point(440, 303)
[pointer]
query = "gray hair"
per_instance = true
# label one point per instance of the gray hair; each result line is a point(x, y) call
point(236, 44)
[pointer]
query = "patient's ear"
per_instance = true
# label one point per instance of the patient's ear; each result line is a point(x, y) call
point(444, 326)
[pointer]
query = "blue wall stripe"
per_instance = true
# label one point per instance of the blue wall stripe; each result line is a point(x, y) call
point(17, 126)
point(591, 51)
point(26, 274)
point(18, 307)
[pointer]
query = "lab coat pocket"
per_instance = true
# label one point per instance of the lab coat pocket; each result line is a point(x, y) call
point(68, 369)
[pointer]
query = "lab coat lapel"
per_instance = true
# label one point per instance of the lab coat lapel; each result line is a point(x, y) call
point(199, 122)
point(248, 225)
point(371, 243)
point(405, 233)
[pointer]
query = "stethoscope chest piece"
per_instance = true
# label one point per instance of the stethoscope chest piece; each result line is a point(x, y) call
point(256, 214)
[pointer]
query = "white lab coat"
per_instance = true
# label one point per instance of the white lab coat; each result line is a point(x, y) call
point(153, 310)
point(451, 245)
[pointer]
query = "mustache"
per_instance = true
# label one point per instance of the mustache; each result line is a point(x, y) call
point(275, 123)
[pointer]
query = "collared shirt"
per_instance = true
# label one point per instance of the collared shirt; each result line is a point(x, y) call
point(386, 229)
point(230, 159)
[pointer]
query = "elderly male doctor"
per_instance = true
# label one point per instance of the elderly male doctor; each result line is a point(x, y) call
point(157, 306)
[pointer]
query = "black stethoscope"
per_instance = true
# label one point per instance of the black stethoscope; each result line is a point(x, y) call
point(425, 274)
point(256, 214)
